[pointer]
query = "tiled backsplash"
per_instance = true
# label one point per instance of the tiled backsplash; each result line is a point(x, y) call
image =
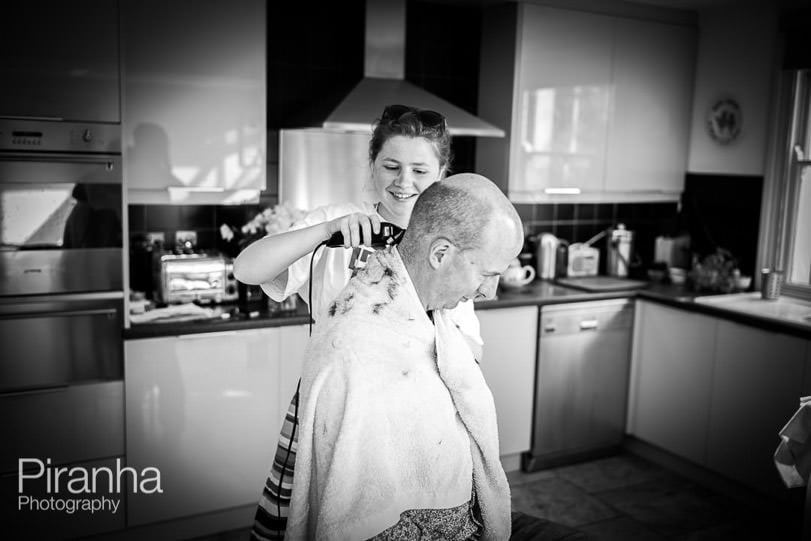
point(205, 220)
point(579, 222)
point(716, 210)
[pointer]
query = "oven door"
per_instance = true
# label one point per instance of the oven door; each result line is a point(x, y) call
point(60, 223)
point(56, 341)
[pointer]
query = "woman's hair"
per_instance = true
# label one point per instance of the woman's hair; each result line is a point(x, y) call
point(412, 122)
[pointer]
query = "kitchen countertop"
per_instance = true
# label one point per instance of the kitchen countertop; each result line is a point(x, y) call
point(538, 293)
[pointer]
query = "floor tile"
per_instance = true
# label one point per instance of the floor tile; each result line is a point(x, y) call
point(516, 478)
point(620, 529)
point(610, 473)
point(670, 505)
point(559, 501)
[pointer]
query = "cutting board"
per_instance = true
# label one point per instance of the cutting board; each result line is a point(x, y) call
point(601, 283)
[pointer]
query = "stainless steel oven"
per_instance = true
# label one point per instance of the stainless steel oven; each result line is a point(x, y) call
point(61, 292)
point(61, 288)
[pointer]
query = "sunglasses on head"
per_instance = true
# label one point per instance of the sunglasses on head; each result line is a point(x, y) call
point(430, 119)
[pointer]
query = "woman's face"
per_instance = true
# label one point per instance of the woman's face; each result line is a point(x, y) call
point(404, 167)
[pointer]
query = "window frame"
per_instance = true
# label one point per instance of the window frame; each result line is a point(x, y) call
point(791, 128)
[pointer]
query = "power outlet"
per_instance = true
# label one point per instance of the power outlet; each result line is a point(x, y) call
point(154, 237)
point(186, 238)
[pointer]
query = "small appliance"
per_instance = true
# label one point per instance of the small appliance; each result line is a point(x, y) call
point(194, 277)
point(584, 260)
point(619, 251)
point(546, 255)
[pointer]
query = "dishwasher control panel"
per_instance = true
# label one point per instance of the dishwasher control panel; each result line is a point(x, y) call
point(587, 316)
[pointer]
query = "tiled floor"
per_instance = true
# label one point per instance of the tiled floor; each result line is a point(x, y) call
point(626, 498)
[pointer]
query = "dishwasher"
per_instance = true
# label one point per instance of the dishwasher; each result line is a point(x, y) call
point(581, 387)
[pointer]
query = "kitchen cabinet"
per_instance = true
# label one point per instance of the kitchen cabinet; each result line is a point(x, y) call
point(508, 365)
point(581, 390)
point(649, 133)
point(672, 367)
point(757, 384)
point(593, 103)
point(292, 343)
point(194, 100)
point(31, 523)
point(716, 392)
point(74, 426)
point(204, 410)
point(59, 60)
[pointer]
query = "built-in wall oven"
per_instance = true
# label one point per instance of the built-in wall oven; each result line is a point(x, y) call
point(61, 297)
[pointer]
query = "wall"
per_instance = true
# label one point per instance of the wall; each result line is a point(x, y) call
point(736, 57)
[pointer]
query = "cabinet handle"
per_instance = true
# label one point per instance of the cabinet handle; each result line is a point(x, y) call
point(562, 190)
point(588, 325)
point(109, 312)
point(200, 336)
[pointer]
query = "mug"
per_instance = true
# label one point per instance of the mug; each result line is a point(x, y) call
point(516, 275)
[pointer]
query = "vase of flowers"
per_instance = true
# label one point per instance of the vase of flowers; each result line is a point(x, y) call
point(270, 221)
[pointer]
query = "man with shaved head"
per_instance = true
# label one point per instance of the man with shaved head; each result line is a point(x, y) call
point(398, 428)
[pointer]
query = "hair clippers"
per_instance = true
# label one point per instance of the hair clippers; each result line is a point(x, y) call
point(389, 235)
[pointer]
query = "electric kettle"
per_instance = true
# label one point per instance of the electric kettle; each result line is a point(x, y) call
point(546, 254)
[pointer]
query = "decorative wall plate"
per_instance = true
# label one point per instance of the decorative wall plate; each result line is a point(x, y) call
point(724, 120)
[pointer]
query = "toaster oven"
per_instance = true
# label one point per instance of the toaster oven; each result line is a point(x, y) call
point(194, 277)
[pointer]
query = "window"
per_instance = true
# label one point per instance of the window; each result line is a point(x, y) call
point(790, 200)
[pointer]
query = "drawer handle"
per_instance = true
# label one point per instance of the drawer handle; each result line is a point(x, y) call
point(203, 335)
point(588, 325)
point(109, 312)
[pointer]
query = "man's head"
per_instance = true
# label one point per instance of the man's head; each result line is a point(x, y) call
point(462, 235)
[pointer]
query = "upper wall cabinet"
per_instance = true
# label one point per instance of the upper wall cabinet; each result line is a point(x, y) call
point(597, 106)
point(194, 101)
point(59, 60)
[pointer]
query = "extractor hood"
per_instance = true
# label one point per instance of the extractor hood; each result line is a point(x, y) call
point(384, 80)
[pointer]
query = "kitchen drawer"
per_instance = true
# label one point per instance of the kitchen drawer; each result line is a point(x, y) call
point(66, 424)
point(58, 525)
point(586, 316)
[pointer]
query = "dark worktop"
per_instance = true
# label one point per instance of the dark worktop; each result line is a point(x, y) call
point(538, 293)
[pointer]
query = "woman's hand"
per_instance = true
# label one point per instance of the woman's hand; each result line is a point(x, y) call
point(355, 228)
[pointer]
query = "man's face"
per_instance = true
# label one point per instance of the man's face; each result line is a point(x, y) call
point(474, 273)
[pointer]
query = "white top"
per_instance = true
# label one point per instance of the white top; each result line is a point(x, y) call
point(331, 272)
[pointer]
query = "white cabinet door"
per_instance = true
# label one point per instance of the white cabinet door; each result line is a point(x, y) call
point(756, 388)
point(564, 91)
point(292, 343)
point(671, 375)
point(653, 82)
point(194, 99)
point(204, 410)
point(600, 103)
point(510, 337)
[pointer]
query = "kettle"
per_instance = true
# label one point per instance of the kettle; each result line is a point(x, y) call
point(620, 248)
point(545, 258)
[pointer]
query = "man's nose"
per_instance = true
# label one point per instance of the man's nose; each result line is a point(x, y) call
point(488, 287)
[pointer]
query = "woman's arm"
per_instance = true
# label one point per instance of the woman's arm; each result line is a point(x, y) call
point(268, 258)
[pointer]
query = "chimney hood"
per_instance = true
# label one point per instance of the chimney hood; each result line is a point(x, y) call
point(384, 80)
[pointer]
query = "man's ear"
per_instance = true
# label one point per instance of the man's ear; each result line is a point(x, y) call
point(439, 251)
